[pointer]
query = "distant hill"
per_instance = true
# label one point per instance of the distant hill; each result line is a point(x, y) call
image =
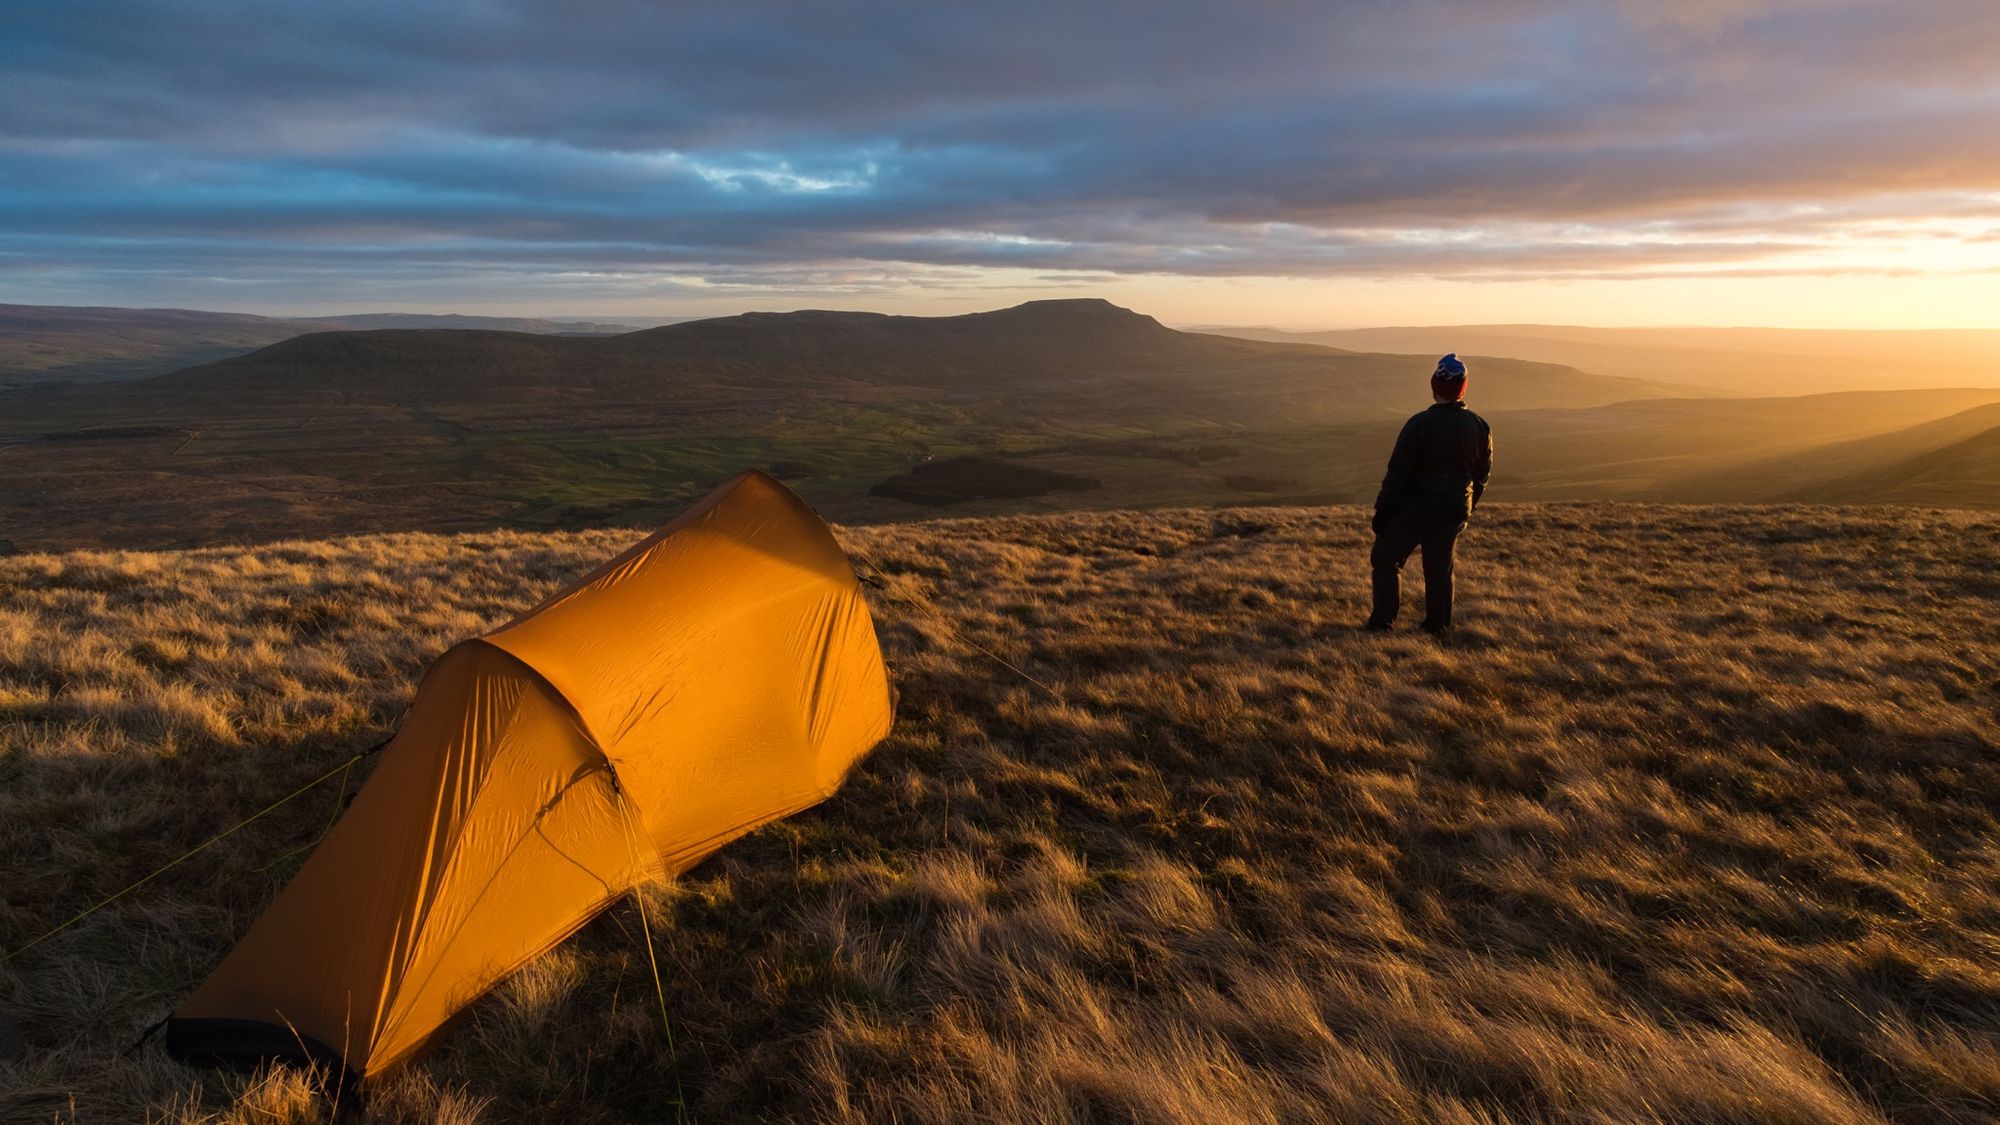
point(1823, 472)
point(61, 344)
point(461, 429)
point(40, 344)
point(1963, 474)
point(1720, 448)
point(434, 429)
point(536, 325)
point(1072, 355)
point(1751, 361)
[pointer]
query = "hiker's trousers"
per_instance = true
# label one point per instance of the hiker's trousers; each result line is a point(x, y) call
point(1402, 532)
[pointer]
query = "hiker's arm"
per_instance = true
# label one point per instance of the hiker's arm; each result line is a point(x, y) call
point(1483, 466)
point(1396, 481)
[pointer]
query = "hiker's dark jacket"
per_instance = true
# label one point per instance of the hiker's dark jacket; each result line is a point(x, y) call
point(1440, 465)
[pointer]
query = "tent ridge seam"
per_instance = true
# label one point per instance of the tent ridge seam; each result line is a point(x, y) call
point(569, 705)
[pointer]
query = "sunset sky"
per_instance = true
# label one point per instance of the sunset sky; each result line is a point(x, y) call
point(1796, 162)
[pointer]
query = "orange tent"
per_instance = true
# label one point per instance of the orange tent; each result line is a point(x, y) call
point(721, 674)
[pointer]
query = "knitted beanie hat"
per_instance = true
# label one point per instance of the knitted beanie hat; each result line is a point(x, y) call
point(1448, 381)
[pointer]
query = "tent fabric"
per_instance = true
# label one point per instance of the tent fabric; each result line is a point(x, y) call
point(721, 674)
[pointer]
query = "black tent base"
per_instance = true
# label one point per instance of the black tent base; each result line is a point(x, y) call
point(244, 1045)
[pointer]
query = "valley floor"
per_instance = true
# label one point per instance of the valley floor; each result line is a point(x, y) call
point(1697, 818)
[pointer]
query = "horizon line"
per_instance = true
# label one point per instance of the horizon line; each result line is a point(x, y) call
point(664, 318)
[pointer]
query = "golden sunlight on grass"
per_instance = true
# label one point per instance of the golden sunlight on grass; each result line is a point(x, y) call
point(1697, 819)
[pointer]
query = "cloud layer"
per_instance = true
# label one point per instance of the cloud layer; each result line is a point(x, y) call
point(621, 146)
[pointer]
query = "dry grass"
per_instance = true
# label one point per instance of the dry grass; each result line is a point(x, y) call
point(1698, 819)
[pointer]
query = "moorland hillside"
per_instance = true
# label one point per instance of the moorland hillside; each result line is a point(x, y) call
point(452, 430)
point(1087, 354)
point(1741, 449)
point(43, 344)
point(1842, 471)
point(1696, 819)
point(1969, 469)
point(1048, 406)
point(1729, 361)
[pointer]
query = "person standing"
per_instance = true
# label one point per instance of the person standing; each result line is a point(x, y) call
point(1436, 477)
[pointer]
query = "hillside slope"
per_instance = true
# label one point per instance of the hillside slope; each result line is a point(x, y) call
point(1070, 354)
point(1965, 473)
point(1807, 475)
point(42, 344)
point(455, 430)
point(1753, 361)
point(1728, 448)
point(1694, 821)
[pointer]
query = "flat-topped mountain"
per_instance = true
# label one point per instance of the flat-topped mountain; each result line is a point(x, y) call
point(1088, 322)
point(1071, 353)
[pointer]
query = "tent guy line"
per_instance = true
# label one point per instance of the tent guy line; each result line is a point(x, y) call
point(877, 578)
point(652, 959)
point(196, 850)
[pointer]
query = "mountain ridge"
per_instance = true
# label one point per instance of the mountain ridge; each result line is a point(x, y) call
point(1069, 346)
point(1751, 361)
point(452, 429)
point(62, 344)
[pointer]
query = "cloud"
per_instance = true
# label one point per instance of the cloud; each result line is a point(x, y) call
point(716, 143)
